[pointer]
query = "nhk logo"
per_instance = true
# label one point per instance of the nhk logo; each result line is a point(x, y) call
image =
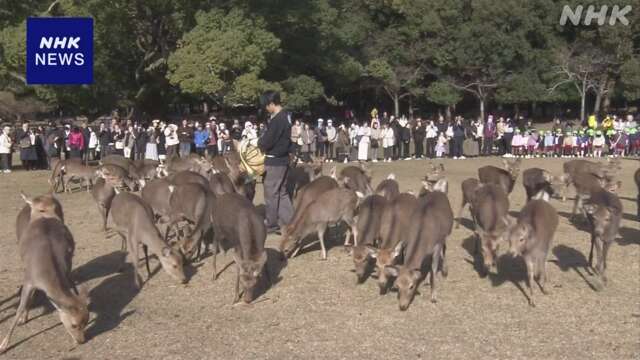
point(60, 51)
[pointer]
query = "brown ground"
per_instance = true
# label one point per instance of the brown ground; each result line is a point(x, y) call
point(316, 310)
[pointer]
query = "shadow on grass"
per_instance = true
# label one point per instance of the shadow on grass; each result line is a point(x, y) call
point(568, 258)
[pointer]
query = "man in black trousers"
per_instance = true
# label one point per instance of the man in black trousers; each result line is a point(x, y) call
point(275, 143)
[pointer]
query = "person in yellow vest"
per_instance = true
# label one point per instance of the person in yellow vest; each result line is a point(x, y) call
point(592, 122)
point(607, 123)
point(374, 113)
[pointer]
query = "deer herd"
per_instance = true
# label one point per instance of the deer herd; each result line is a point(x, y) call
point(177, 210)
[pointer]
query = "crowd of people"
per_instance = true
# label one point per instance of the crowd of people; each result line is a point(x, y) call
point(382, 138)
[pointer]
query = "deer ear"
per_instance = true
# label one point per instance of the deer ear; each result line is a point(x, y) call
point(391, 271)
point(26, 199)
point(391, 176)
point(359, 195)
point(397, 250)
point(333, 173)
point(372, 251)
point(442, 186)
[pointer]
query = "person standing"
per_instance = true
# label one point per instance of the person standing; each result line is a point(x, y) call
point(76, 143)
point(142, 139)
point(171, 140)
point(5, 149)
point(92, 145)
point(363, 138)
point(26, 140)
point(151, 148)
point(275, 143)
point(104, 137)
point(419, 134)
point(308, 143)
point(201, 139)
point(332, 136)
point(431, 135)
point(185, 138)
point(376, 139)
point(249, 132)
point(84, 129)
point(489, 136)
point(343, 144)
point(212, 146)
point(458, 138)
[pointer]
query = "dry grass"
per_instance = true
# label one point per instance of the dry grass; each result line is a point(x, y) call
point(315, 310)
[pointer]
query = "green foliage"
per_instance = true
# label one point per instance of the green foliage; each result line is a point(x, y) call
point(246, 90)
point(222, 49)
point(301, 91)
point(443, 93)
point(630, 76)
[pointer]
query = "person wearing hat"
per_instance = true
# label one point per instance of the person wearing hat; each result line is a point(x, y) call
point(275, 143)
point(548, 144)
point(249, 132)
point(598, 143)
point(558, 139)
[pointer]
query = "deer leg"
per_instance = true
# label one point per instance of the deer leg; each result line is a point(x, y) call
point(323, 251)
point(544, 277)
point(605, 251)
point(27, 290)
point(593, 243)
point(145, 250)
point(25, 315)
point(236, 297)
point(434, 270)
point(531, 273)
point(445, 269)
point(133, 257)
point(216, 241)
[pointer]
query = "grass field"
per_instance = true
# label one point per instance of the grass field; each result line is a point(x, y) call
point(315, 310)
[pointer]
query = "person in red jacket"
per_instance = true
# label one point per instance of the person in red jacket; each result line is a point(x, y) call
point(76, 143)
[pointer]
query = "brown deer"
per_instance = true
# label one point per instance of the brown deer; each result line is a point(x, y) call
point(490, 210)
point(503, 177)
point(388, 188)
point(332, 207)
point(238, 225)
point(469, 187)
point(538, 183)
point(370, 213)
point(530, 237)
point(46, 250)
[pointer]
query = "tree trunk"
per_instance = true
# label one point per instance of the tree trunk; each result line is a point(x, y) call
point(205, 108)
point(396, 104)
point(410, 107)
point(516, 108)
point(583, 101)
point(482, 100)
point(448, 112)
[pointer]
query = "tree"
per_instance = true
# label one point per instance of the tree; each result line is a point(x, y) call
point(442, 93)
point(301, 91)
point(221, 49)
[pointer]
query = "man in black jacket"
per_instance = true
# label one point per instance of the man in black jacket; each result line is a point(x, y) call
point(275, 143)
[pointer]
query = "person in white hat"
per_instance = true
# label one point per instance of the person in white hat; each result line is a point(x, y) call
point(332, 136)
point(249, 131)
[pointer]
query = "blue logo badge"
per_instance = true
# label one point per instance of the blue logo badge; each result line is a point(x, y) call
point(59, 50)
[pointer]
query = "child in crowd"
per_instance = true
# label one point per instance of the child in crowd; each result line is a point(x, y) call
point(516, 144)
point(558, 140)
point(567, 144)
point(576, 144)
point(598, 144)
point(549, 145)
point(619, 143)
point(532, 144)
point(441, 145)
point(583, 140)
point(634, 141)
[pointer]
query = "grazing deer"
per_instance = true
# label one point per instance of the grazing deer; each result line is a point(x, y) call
point(490, 210)
point(469, 187)
point(238, 225)
point(388, 188)
point(46, 250)
point(191, 203)
point(355, 178)
point(103, 193)
point(502, 177)
point(538, 184)
point(370, 214)
point(530, 237)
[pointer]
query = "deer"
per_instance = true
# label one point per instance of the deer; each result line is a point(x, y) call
point(469, 187)
point(586, 185)
point(356, 178)
point(431, 224)
point(388, 188)
point(308, 193)
point(46, 205)
point(46, 250)
point(302, 174)
point(157, 195)
point(574, 169)
point(188, 177)
point(538, 184)
point(395, 221)
point(530, 236)
point(490, 210)
point(73, 169)
point(132, 219)
point(220, 184)
point(117, 176)
point(503, 177)
point(238, 225)
point(604, 211)
point(191, 203)
point(332, 207)
point(370, 214)
point(103, 193)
